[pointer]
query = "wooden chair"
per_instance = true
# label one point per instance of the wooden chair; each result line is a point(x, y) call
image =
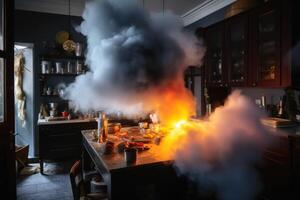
point(79, 187)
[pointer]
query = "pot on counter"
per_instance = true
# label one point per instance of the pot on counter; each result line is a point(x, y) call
point(65, 113)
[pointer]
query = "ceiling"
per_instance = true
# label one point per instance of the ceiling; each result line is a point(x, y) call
point(189, 9)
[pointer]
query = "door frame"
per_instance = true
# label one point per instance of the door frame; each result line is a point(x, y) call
point(7, 149)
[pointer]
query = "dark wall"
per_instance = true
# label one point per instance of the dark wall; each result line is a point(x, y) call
point(36, 28)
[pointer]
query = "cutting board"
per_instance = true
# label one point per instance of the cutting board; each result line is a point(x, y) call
point(277, 122)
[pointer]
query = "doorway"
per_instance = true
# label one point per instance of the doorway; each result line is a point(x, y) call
point(24, 98)
point(7, 147)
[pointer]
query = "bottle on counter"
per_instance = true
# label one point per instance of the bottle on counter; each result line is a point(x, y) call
point(264, 102)
point(102, 127)
point(105, 130)
point(280, 108)
point(70, 67)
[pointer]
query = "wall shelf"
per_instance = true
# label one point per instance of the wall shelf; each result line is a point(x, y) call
point(50, 96)
point(61, 57)
point(57, 74)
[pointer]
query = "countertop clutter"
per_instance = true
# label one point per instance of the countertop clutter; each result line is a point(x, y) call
point(122, 177)
point(148, 150)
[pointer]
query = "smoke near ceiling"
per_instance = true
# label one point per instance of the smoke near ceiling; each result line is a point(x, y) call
point(131, 54)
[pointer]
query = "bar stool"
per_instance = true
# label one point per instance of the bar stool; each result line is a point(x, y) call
point(79, 187)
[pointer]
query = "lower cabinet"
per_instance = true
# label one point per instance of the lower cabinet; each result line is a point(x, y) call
point(274, 170)
point(279, 170)
point(61, 141)
point(295, 146)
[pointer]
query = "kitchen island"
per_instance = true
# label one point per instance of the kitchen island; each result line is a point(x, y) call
point(150, 172)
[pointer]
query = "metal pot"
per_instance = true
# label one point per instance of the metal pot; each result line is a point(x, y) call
point(53, 105)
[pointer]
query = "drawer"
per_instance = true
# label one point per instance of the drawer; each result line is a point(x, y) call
point(63, 152)
point(275, 158)
point(67, 127)
point(64, 139)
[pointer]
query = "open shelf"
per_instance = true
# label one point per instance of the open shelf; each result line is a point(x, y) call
point(61, 57)
point(57, 74)
point(51, 95)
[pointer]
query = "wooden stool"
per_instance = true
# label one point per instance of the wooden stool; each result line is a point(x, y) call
point(78, 185)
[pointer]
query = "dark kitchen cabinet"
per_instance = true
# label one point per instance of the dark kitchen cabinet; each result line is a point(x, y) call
point(279, 168)
point(275, 170)
point(215, 71)
point(266, 45)
point(295, 149)
point(237, 50)
point(253, 49)
point(61, 141)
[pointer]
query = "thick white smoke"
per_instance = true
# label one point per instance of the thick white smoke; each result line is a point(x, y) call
point(220, 153)
point(131, 55)
point(136, 62)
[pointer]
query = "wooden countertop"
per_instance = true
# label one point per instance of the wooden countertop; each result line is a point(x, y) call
point(45, 122)
point(115, 160)
point(293, 131)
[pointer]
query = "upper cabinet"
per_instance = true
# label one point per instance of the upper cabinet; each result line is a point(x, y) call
point(214, 65)
point(237, 50)
point(251, 49)
point(265, 30)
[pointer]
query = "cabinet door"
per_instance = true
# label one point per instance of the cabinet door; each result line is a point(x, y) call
point(266, 45)
point(215, 68)
point(275, 170)
point(295, 165)
point(237, 50)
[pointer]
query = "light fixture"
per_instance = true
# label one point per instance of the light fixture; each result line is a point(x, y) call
point(163, 6)
point(69, 45)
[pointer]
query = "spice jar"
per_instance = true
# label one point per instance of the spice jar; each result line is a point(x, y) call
point(78, 67)
point(78, 49)
point(45, 67)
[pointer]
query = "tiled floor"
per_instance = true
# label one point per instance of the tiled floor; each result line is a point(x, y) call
point(54, 186)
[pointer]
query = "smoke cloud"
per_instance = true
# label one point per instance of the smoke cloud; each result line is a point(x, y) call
point(131, 55)
point(136, 62)
point(220, 153)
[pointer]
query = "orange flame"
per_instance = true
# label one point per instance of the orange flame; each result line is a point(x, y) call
point(173, 103)
point(212, 138)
